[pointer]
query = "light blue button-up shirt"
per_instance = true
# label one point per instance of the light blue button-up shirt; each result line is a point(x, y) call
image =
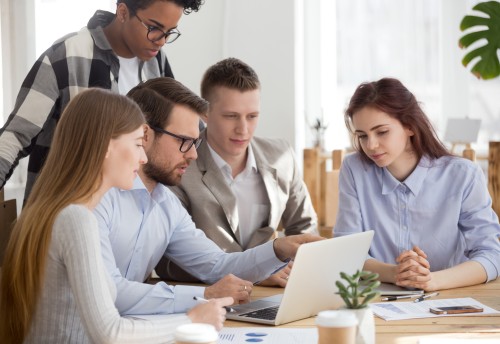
point(137, 228)
point(443, 207)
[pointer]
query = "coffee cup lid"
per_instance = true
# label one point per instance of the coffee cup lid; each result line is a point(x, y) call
point(336, 319)
point(196, 333)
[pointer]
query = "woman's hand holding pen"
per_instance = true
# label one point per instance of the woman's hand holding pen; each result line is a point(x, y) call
point(279, 279)
point(211, 312)
point(413, 269)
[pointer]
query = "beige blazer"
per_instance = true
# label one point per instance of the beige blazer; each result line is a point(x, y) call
point(212, 205)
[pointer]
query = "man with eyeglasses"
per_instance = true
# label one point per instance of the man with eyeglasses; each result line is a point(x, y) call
point(141, 225)
point(242, 187)
point(115, 51)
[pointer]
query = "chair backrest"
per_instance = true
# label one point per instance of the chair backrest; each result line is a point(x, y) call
point(323, 185)
point(8, 213)
point(469, 153)
point(494, 175)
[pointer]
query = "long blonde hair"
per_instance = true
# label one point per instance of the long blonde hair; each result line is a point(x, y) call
point(72, 174)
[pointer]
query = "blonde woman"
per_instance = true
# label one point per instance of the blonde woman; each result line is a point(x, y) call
point(54, 285)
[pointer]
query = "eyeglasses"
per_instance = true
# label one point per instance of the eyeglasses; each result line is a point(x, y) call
point(186, 142)
point(155, 33)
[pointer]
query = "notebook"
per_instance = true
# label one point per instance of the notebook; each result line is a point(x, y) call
point(311, 285)
point(388, 289)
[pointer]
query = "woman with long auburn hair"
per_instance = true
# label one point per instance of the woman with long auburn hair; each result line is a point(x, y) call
point(431, 211)
point(54, 287)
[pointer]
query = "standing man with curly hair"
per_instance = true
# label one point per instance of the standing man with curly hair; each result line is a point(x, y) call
point(114, 51)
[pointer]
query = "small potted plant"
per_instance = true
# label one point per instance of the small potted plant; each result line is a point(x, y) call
point(357, 291)
point(319, 127)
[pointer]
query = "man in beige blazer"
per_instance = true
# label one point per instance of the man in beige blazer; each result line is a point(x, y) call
point(241, 187)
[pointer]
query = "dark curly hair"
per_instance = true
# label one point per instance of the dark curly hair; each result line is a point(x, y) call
point(188, 5)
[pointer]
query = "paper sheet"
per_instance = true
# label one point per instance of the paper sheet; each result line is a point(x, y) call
point(245, 335)
point(412, 310)
point(442, 340)
point(267, 335)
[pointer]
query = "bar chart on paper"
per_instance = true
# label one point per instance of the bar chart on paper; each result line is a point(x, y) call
point(237, 335)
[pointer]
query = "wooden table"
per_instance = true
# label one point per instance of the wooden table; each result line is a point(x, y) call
point(410, 331)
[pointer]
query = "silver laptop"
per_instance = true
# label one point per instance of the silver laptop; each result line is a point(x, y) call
point(311, 285)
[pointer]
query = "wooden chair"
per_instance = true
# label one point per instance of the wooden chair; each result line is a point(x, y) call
point(494, 175)
point(469, 153)
point(323, 185)
point(8, 214)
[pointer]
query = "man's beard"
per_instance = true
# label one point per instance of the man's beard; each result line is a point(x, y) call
point(161, 175)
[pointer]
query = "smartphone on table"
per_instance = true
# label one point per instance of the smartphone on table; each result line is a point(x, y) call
point(455, 310)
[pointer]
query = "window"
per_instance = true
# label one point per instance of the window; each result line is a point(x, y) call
point(415, 41)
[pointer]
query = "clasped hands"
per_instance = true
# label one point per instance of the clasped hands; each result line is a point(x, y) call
point(413, 270)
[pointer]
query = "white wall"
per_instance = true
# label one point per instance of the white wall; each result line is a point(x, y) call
point(270, 36)
point(261, 33)
point(265, 34)
point(17, 58)
point(17, 55)
point(454, 77)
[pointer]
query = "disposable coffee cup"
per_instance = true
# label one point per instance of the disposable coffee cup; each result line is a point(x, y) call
point(196, 334)
point(336, 327)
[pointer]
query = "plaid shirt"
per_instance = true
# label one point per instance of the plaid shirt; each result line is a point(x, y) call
point(72, 64)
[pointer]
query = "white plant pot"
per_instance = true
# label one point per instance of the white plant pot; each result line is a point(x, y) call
point(366, 325)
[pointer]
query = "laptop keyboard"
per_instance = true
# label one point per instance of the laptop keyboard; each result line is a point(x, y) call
point(264, 313)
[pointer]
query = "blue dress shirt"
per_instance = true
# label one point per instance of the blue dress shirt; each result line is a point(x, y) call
point(137, 228)
point(443, 207)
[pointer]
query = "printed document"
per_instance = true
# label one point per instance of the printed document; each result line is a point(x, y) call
point(267, 335)
point(412, 310)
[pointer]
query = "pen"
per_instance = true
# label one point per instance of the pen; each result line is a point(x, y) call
point(393, 298)
point(228, 309)
point(423, 297)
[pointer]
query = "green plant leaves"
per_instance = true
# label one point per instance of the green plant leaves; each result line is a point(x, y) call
point(488, 66)
point(354, 296)
point(368, 298)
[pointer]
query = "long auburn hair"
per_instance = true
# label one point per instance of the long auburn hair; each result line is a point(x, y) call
point(72, 174)
point(392, 97)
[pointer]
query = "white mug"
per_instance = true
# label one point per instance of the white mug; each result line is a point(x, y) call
point(196, 334)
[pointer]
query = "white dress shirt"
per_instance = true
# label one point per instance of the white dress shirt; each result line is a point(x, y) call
point(250, 192)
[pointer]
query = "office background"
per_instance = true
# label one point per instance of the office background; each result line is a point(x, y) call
point(309, 54)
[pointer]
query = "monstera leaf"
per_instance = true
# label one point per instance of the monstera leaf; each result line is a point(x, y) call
point(488, 66)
